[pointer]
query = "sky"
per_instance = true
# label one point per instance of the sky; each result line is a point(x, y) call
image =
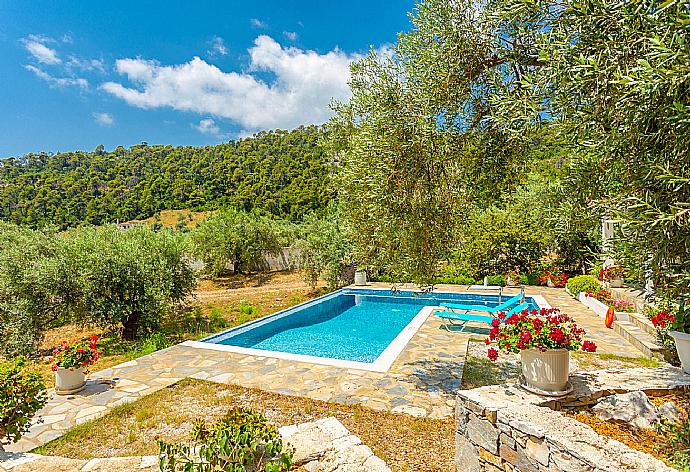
point(76, 74)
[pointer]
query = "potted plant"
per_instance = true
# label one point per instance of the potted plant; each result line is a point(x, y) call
point(613, 275)
point(360, 277)
point(70, 364)
point(544, 341)
point(551, 275)
point(676, 325)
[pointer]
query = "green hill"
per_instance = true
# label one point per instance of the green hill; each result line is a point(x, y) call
point(282, 172)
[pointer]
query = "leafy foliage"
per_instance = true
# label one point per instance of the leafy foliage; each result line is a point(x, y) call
point(79, 355)
point(241, 441)
point(547, 329)
point(237, 238)
point(129, 279)
point(22, 394)
point(500, 241)
point(678, 434)
point(413, 144)
point(583, 283)
point(281, 172)
point(323, 248)
point(37, 287)
point(612, 78)
point(123, 280)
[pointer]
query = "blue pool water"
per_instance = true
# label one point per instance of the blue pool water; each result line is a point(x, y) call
point(353, 325)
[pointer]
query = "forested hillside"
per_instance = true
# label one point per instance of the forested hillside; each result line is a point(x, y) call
point(282, 172)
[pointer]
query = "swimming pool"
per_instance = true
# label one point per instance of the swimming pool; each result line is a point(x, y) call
point(354, 328)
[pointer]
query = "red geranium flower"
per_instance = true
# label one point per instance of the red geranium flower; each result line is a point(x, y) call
point(557, 335)
point(492, 354)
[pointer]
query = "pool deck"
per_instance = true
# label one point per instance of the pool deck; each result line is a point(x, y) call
point(422, 381)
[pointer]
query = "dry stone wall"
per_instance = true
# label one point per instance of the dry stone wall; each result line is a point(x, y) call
point(504, 428)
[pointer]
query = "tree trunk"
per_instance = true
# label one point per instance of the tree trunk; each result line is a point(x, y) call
point(129, 327)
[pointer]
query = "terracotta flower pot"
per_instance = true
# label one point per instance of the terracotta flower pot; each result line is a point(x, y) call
point(68, 381)
point(683, 347)
point(548, 370)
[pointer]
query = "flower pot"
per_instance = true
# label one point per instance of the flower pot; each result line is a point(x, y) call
point(68, 381)
point(683, 348)
point(547, 370)
point(616, 283)
point(360, 277)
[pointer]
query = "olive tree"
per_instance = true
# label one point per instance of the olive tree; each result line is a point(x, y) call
point(129, 280)
point(237, 238)
point(612, 78)
point(37, 287)
point(415, 143)
point(323, 248)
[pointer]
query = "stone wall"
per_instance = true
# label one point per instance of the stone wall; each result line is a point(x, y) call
point(504, 428)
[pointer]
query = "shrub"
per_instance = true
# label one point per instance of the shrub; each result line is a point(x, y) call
point(241, 441)
point(678, 434)
point(456, 280)
point(550, 272)
point(496, 279)
point(247, 309)
point(582, 283)
point(323, 248)
point(500, 241)
point(22, 394)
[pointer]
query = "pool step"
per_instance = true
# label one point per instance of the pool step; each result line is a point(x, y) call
point(640, 338)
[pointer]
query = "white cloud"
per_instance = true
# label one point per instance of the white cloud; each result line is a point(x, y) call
point(85, 65)
point(58, 82)
point(257, 23)
point(103, 118)
point(291, 35)
point(218, 47)
point(207, 126)
point(42, 53)
point(303, 84)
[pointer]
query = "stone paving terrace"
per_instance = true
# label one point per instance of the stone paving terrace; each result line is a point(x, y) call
point(422, 381)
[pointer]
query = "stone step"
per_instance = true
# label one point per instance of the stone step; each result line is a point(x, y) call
point(642, 322)
point(641, 339)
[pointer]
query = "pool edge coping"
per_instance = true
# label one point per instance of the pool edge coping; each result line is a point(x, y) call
point(383, 362)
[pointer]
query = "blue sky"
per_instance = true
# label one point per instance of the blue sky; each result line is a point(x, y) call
point(75, 74)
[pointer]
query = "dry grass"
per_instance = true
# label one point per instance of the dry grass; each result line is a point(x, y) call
point(404, 442)
point(222, 303)
point(170, 218)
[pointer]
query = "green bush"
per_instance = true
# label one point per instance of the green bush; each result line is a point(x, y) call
point(583, 283)
point(237, 238)
point(37, 287)
point(498, 241)
point(129, 280)
point(496, 279)
point(241, 441)
point(247, 309)
point(22, 394)
point(456, 280)
point(324, 249)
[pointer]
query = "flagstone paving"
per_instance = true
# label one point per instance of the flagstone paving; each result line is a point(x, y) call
point(422, 381)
